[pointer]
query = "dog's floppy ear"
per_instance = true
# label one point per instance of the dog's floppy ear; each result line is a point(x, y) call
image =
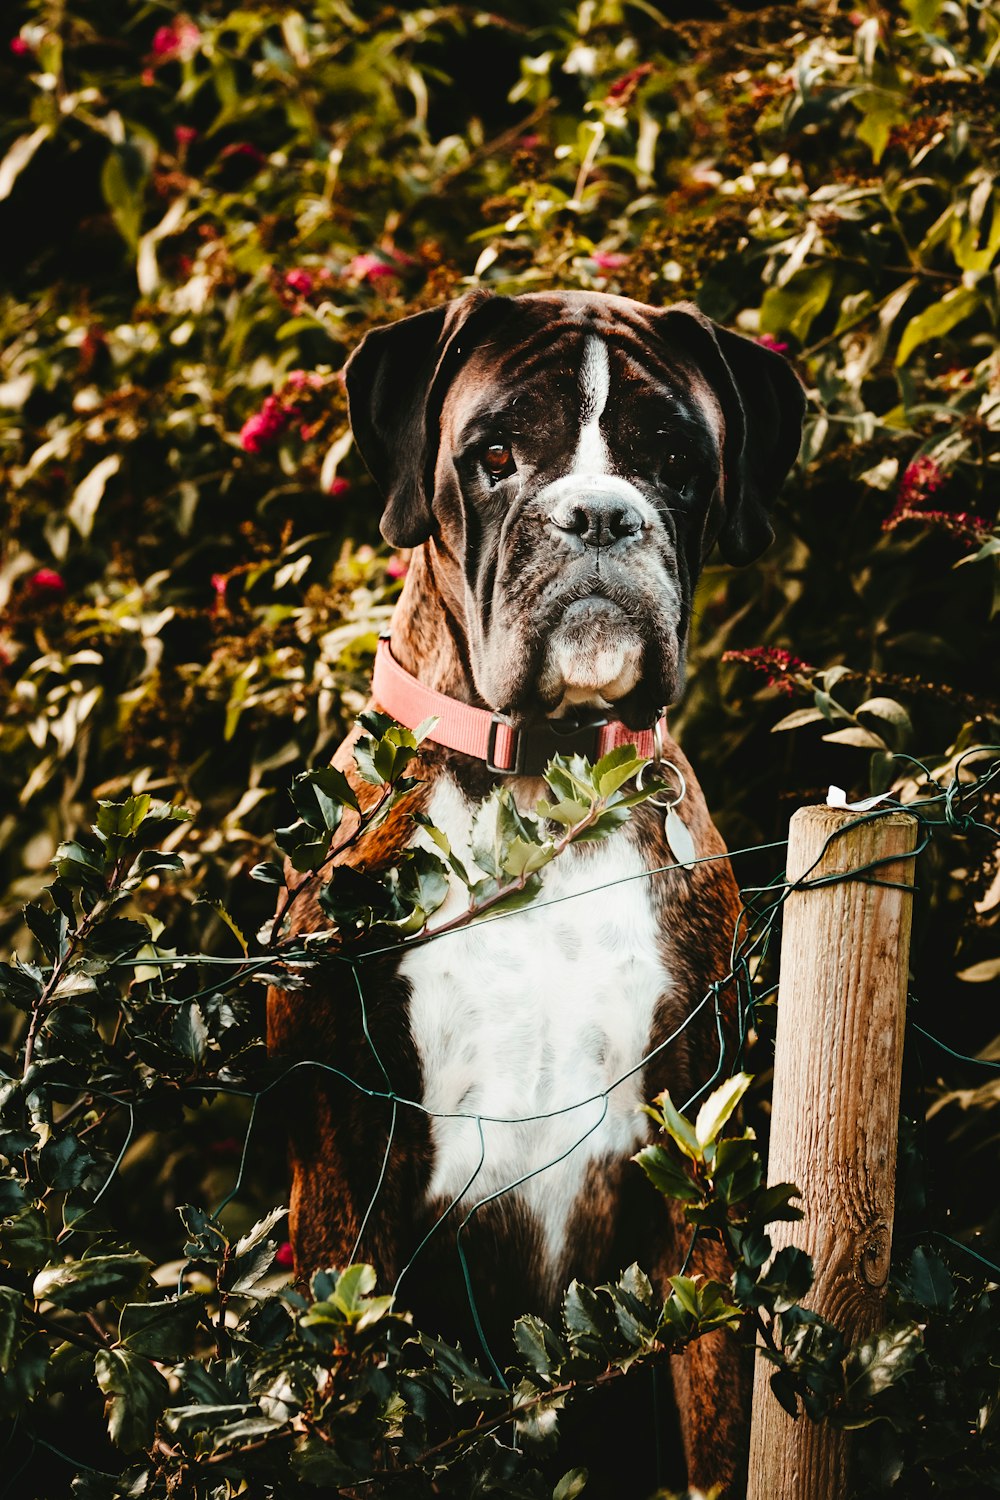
point(763, 404)
point(396, 381)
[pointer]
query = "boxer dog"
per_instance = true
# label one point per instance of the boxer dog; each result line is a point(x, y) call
point(562, 463)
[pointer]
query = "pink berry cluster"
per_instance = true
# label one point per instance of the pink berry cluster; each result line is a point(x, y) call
point(921, 481)
point(265, 426)
point(47, 585)
point(279, 411)
point(42, 591)
point(303, 281)
point(180, 39)
point(300, 281)
point(609, 260)
point(375, 267)
point(623, 88)
point(779, 665)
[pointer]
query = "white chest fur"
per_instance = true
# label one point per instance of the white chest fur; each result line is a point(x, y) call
point(527, 1028)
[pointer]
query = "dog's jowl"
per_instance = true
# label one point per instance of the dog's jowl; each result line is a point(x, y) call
point(562, 464)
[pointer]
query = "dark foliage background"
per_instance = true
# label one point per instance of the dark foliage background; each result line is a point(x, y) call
point(201, 212)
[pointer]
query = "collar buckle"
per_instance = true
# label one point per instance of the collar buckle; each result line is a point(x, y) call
point(534, 745)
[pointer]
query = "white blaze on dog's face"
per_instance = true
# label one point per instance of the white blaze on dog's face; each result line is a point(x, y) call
point(572, 458)
point(594, 655)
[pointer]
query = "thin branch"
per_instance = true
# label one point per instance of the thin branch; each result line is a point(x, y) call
point(477, 908)
point(64, 1332)
point(485, 152)
point(512, 1413)
point(365, 820)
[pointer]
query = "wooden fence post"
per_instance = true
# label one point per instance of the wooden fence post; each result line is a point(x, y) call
point(835, 1109)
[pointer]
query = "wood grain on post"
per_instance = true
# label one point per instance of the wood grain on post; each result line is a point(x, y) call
point(835, 1110)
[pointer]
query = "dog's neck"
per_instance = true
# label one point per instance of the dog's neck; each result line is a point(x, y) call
point(429, 637)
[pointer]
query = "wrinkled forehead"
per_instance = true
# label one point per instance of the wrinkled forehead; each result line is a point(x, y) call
point(547, 369)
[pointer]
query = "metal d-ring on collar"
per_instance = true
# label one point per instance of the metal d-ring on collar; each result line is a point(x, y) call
point(658, 761)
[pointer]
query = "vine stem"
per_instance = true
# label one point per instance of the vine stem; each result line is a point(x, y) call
point(477, 908)
point(365, 820)
point(481, 1429)
point(45, 1000)
point(65, 1332)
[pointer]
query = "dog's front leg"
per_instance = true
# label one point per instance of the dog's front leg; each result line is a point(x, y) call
point(713, 1380)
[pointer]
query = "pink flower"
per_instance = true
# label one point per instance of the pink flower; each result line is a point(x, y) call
point(921, 479)
point(255, 433)
point(265, 426)
point(244, 150)
point(766, 341)
point(959, 522)
point(397, 566)
point(184, 135)
point(229, 1147)
point(779, 665)
point(303, 380)
point(609, 260)
point(285, 1257)
point(339, 487)
point(181, 39)
point(20, 47)
point(299, 281)
point(47, 584)
point(280, 411)
point(219, 606)
point(370, 268)
point(624, 87)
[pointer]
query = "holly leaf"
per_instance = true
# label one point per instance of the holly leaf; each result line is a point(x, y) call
point(24, 1239)
point(136, 1395)
point(163, 1330)
point(718, 1107)
point(666, 1176)
point(928, 1282)
point(882, 1360)
point(82, 1283)
point(615, 768)
point(11, 1304)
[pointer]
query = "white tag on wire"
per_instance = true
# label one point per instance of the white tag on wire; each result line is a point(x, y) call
point(682, 845)
point(837, 797)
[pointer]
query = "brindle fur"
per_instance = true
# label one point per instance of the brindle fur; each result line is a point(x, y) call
point(413, 388)
point(333, 1181)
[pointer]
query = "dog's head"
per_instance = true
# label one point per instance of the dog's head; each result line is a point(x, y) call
point(573, 457)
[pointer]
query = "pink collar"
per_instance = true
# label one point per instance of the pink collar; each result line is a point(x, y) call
point(492, 737)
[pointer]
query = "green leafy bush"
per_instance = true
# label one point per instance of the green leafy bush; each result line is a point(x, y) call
point(215, 1372)
point(201, 213)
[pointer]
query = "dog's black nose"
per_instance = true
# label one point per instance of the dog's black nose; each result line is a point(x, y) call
point(598, 520)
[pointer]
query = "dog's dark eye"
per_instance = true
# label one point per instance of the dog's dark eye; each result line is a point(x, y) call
point(499, 461)
point(678, 466)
